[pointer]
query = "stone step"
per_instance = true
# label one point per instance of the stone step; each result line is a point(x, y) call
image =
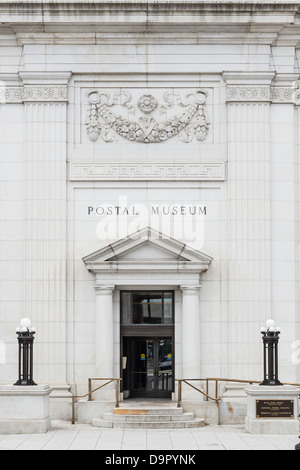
point(145, 417)
point(102, 423)
point(148, 411)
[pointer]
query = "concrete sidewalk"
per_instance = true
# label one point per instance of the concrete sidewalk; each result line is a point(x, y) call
point(64, 436)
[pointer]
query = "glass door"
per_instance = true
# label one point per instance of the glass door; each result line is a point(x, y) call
point(150, 367)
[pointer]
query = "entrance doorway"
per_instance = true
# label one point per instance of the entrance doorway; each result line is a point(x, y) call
point(147, 343)
point(150, 367)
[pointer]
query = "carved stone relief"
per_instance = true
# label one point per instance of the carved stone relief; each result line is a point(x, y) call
point(38, 93)
point(271, 94)
point(116, 116)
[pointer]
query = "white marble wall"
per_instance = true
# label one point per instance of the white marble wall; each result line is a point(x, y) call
point(49, 178)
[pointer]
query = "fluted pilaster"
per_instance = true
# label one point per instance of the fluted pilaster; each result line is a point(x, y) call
point(249, 243)
point(45, 244)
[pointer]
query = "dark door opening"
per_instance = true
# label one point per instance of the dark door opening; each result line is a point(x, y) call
point(147, 343)
point(149, 367)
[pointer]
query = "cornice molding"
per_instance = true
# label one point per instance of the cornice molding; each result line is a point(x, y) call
point(199, 12)
point(212, 22)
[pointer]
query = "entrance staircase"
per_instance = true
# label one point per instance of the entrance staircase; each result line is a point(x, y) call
point(135, 414)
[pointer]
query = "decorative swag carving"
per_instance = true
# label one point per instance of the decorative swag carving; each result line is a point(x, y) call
point(115, 115)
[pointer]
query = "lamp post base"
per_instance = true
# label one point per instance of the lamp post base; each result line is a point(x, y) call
point(271, 382)
point(25, 383)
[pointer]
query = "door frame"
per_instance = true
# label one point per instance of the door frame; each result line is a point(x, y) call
point(147, 331)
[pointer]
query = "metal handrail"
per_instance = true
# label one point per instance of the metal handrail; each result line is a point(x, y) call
point(90, 392)
point(216, 400)
point(193, 386)
point(219, 379)
point(180, 381)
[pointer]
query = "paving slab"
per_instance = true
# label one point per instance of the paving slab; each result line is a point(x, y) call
point(65, 436)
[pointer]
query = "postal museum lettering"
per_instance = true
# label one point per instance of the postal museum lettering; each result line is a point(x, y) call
point(155, 209)
point(184, 222)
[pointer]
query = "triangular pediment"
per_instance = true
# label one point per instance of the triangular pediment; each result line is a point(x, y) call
point(146, 246)
point(147, 250)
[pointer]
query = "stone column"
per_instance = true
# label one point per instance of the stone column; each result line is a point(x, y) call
point(249, 212)
point(104, 334)
point(45, 102)
point(191, 340)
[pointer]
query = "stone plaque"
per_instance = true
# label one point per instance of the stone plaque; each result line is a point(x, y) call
point(274, 408)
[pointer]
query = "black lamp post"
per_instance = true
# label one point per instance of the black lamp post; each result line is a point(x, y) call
point(25, 334)
point(270, 335)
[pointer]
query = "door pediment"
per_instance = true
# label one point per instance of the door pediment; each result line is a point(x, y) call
point(149, 250)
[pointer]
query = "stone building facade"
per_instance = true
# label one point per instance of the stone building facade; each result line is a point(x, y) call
point(149, 189)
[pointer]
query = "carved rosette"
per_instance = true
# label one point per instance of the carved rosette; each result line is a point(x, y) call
point(147, 103)
point(113, 116)
point(11, 94)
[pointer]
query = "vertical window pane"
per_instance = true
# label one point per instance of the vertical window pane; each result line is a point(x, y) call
point(168, 307)
point(126, 317)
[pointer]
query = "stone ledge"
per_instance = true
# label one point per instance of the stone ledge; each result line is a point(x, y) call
point(17, 390)
point(25, 426)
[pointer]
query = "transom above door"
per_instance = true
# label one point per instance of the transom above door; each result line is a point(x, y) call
point(147, 307)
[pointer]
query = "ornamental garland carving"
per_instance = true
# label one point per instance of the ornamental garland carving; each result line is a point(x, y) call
point(114, 116)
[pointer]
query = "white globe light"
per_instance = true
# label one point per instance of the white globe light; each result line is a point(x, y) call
point(272, 329)
point(270, 323)
point(25, 323)
point(24, 329)
point(18, 329)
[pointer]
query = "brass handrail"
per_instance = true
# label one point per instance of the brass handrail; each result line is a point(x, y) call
point(198, 390)
point(219, 379)
point(186, 381)
point(90, 392)
point(193, 386)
